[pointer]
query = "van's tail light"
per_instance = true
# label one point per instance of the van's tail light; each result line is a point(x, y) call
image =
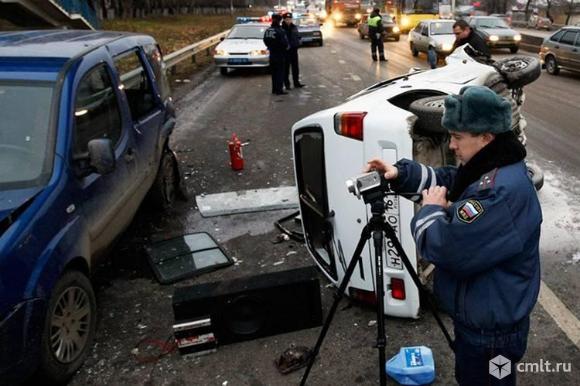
point(398, 289)
point(350, 124)
point(363, 296)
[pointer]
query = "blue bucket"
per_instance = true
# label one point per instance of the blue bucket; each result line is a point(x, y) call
point(412, 366)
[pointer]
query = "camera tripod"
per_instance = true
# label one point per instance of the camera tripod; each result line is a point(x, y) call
point(377, 227)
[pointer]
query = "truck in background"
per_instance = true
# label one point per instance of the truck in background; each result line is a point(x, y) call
point(344, 12)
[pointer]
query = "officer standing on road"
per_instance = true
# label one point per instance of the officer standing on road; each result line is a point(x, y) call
point(292, 54)
point(482, 236)
point(277, 43)
point(375, 23)
point(464, 34)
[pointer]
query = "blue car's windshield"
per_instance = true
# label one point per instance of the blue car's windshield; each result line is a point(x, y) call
point(24, 133)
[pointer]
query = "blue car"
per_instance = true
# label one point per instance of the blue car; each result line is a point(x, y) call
point(85, 121)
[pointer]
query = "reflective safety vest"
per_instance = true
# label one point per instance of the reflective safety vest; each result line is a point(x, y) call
point(374, 21)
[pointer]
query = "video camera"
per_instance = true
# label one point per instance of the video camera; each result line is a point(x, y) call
point(368, 186)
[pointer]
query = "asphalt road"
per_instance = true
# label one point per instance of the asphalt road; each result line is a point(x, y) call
point(135, 311)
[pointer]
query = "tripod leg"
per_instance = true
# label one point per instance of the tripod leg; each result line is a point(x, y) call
point(365, 236)
point(380, 291)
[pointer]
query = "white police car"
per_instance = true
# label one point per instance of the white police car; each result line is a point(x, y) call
point(243, 47)
point(397, 118)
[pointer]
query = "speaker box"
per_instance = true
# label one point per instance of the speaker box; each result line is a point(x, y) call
point(255, 306)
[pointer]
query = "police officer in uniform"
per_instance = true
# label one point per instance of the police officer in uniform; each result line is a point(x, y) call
point(375, 23)
point(292, 54)
point(480, 226)
point(277, 43)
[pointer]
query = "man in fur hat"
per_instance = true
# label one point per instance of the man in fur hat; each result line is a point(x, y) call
point(480, 226)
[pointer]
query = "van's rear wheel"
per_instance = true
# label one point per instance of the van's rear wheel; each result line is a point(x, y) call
point(69, 327)
point(429, 112)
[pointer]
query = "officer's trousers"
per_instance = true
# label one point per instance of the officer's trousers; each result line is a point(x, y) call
point(291, 61)
point(277, 63)
point(377, 45)
point(476, 355)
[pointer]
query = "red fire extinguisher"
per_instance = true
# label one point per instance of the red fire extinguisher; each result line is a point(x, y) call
point(236, 156)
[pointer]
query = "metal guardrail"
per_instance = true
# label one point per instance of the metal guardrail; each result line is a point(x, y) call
point(190, 51)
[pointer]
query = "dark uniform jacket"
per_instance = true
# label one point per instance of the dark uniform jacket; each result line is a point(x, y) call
point(292, 34)
point(276, 40)
point(485, 245)
point(475, 40)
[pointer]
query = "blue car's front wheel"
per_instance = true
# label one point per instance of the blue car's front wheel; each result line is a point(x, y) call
point(69, 327)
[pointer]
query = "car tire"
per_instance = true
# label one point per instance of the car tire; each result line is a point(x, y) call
point(536, 175)
point(552, 66)
point(166, 187)
point(397, 38)
point(429, 112)
point(414, 51)
point(321, 43)
point(519, 70)
point(72, 307)
point(514, 50)
point(224, 71)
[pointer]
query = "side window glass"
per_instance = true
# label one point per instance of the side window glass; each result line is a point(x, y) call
point(568, 38)
point(158, 65)
point(577, 44)
point(97, 112)
point(556, 37)
point(136, 84)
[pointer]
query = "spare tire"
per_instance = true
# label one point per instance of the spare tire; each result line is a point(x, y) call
point(429, 112)
point(519, 70)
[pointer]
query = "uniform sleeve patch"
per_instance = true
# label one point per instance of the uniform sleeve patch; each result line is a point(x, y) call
point(470, 211)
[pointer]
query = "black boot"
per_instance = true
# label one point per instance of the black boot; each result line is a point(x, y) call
point(375, 58)
point(383, 59)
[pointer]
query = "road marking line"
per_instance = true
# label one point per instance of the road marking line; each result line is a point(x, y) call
point(560, 313)
point(341, 61)
point(356, 78)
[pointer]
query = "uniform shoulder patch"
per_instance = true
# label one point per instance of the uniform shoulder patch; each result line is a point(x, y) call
point(469, 211)
point(487, 181)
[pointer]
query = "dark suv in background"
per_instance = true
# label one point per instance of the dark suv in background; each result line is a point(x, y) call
point(86, 118)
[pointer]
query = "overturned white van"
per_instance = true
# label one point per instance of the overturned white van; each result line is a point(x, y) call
point(397, 118)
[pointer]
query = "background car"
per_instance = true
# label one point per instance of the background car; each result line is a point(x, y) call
point(243, 48)
point(496, 32)
point(561, 50)
point(394, 119)
point(539, 22)
point(432, 35)
point(85, 137)
point(391, 30)
point(309, 30)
